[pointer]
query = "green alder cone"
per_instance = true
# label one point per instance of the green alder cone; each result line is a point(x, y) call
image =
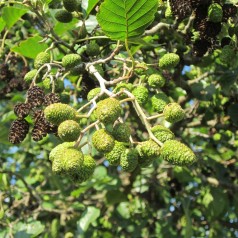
point(169, 61)
point(103, 141)
point(48, 84)
point(108, 110)
point(70, 5)
point(215, 13)
point(123, 86)
point(30, 75)
point(71, 60)
point(41, 59)
point(177, 153)
point(94, 92)
point(156, 81)
point(73, 160)
point(173, 112)
point(63, 16)
point(162, 133)
point(56, 113)
point(69, 130)
point(129, 160)
point(141, 94)
point(159, 101)
point(121, 132)
point(85, 171)
point(114, 155)
point(93, 49)
point(148, 152)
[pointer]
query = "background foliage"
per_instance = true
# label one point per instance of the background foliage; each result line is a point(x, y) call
point(159, 201)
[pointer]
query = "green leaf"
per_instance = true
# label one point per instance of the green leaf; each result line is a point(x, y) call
point(91, 5)
point(12, 14)
point(124, 19)
point(90, 215)
point(2, 24)
point(30, 47)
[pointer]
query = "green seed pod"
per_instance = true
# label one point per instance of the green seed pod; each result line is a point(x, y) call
point(65, 97)
point(94, 92)
point(114, 155)
point(156, 81)
point(148, 152)
point(169, 61)
point(173, 112)
point(69, 130)
point(58, 112)
point(70, 5)
point(129, 160)
point(58, 151)
point(30, 75)
point(215, 13)
point(41, 59)
point(82, 32)
point(141, 68)
point(93, 49)
point(162, 133)
point(123, 86)
point(103, 141)
point(73, 160)
point(141, 94)
point(108, 110)
point(177, 153)
point(63, 16)
point(71, 60)
point(85, 171)
point(159, 101)
point(121, 132)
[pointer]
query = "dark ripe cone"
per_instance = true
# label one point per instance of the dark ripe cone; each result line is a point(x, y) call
point(35, 96)
point(51, 98)
point(40, 127)
point(181, 8)
point(22, 110)
point(229, 10)
point(18, 131)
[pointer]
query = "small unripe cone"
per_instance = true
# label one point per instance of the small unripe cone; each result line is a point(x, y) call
point(156, 81)
point(85, 171)
point(215, 12)
point(71, 60)
point(73, 161)
point(70, 5)
point(141, 94)
point(30, 75)
point(121, 132)
point(129, 160)
point(69, 130)
point(123, 86)
point(93, 49)
point(148, 152)
point(103, 141)
point(94, 92)
point(108, 110)
point(169, 61)
point(162, 133)
point(59, 112)
point(173, 112)
point(58, 151)
point(159, 101)
point(114, 155)
point(63, 16)
point(41, 59)
point(177, 153)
